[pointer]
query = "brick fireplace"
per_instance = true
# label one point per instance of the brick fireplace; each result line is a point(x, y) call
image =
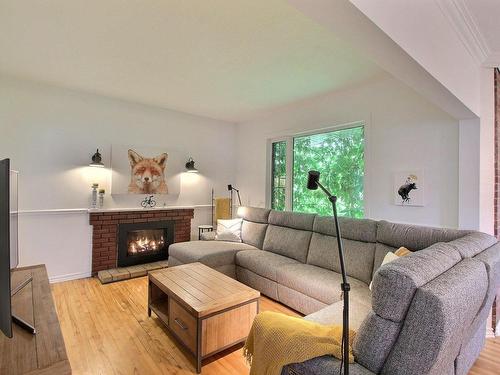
point(106, 224)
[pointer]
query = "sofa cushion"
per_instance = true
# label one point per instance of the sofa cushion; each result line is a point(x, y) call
point(299, 301)
point(473, 243)
point(292, 220)
point(389, 257)
point(253, 233)
point(491, 260)
point(254, 214)
point(358, 256)
point(315, 282)
point(381, 251)
point(374, 340)
point(333, 314)
point(208, 236)
point(353, 229)
point(325, 364)
point(470, 350)
point(396, 282)
point(210, 253)
point(414, 237)
point(263, 263)
point(361, 294)
point(431, 336)
point(262, 284)
point(292, 243)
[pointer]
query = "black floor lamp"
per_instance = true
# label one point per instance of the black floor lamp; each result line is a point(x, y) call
point(231, 188)
point(313, 184)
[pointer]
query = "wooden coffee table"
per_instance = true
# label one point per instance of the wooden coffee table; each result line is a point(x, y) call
point(205, 310)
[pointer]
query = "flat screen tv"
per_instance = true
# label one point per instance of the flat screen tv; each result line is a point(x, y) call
point(8, 245)
point(5, 249)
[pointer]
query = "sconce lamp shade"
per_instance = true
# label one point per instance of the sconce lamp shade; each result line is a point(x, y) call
point(190, 166)
point(97, 160)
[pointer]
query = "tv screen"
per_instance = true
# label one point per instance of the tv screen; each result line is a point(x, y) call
point(5, 242)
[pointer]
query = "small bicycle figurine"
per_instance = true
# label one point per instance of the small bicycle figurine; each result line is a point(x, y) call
point(148, 202)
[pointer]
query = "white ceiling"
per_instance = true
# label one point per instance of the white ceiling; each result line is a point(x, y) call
point(225, 59)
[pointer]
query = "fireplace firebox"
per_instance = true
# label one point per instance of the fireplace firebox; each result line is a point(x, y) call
point(144, 242)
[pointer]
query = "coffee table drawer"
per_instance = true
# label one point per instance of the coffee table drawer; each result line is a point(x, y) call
point(183, 324)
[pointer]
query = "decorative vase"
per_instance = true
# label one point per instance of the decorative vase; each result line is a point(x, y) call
point(93, 202)
point(101, 198)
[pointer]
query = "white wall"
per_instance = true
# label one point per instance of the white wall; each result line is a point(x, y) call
point(404, 132)
point(50, 134)
point(487, 155)
point(469, 158)
point(60, 240)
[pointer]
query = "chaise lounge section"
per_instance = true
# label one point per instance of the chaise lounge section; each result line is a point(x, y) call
point(414, 321)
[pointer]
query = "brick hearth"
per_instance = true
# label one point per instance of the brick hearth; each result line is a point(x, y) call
point(105, 229)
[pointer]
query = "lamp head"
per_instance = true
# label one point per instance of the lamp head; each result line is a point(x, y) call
point(229, 187)
point(190, 166)
point(312, 180)
point(97, 160)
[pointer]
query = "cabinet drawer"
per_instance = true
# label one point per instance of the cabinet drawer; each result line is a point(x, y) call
point(182, 324)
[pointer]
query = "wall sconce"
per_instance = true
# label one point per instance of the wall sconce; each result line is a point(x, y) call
point(97, 160)
point(190, 168)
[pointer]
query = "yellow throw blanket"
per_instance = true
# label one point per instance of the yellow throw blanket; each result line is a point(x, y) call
point(222, 209)
point(276, 340)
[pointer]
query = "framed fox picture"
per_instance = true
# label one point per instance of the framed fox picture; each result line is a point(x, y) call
point(145, 170)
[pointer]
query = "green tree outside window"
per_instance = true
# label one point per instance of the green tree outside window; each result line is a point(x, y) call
point(339, 156)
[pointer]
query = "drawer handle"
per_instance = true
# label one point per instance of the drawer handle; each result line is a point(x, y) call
point(180, 324)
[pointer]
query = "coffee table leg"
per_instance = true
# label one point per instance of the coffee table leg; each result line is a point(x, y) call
point(149, 297)
point(198, 365)
point(198, 346)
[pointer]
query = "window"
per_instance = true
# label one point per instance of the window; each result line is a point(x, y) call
point(278, 182)
point(337, 154)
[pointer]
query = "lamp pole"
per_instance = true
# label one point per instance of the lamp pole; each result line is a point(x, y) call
point(231, 188)
point(312, 184)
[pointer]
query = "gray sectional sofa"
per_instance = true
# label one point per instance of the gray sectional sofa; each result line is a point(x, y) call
point(426, 313)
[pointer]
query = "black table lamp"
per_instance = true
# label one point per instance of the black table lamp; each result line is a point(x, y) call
point(313, 184)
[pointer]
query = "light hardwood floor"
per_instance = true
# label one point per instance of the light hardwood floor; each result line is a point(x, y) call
point(107, 331)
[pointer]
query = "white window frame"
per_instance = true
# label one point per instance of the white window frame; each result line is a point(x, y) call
point(289, 139)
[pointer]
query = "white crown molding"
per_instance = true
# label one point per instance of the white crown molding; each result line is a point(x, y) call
point(459, 16)
point(493, 60)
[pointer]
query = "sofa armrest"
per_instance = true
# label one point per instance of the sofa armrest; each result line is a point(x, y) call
point(324, 365)
point(208, 236)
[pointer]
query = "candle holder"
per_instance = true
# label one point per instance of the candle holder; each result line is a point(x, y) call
point(101, 198)
point(93, 202)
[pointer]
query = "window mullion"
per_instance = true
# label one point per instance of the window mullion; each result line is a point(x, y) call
point(289, 174)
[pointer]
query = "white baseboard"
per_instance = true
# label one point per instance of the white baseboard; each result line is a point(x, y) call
point(71, 276)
